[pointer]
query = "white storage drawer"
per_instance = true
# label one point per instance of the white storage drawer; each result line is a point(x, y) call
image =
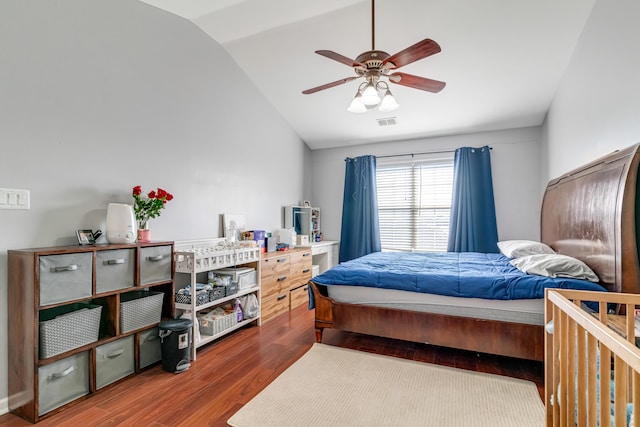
point(155, 264)
point(63, 381)
point(114, 360)
point(150, 350)
point(115, 269)
point(65, 277)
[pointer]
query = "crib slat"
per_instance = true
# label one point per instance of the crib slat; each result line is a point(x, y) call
point(564, 357)
point(592, 351)
point(556, 365)
point(620, 390)
point(581, 374)
point(571, 328)
point(605, 386)
point(636, 398)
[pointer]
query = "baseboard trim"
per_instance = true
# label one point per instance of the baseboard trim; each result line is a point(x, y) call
point(4, 406)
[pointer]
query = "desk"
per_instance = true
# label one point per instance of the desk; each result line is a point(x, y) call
point(324, 254)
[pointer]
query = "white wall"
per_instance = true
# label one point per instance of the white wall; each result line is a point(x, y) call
point(596, 109)
point(515, 163)
point(99, 96)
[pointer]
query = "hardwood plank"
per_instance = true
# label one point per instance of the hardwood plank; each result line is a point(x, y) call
point(231, 371)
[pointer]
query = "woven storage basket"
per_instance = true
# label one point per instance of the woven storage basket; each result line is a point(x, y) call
point(216, 293)
point(231, 289)
point(139, 309)
point(210, 326)
point(202, 297)
point(67, 327)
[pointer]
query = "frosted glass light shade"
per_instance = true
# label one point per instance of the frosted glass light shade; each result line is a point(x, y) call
point(370, 95)
point(357, 106)
point(388, 103)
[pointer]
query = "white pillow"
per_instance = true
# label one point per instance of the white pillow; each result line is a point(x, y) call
point(519, 248)
point(555, 265)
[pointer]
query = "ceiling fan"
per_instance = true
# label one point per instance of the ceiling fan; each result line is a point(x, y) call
point(374, 64)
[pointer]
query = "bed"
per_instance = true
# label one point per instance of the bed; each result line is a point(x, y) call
point(588, 214)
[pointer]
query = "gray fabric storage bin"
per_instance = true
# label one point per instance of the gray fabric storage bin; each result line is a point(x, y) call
point(114, 360)
point(63, 381)
point(149, 346)
point(155, 264)
point(115, 269)
point(139, 309)
point(67, 327)
point(65, 277)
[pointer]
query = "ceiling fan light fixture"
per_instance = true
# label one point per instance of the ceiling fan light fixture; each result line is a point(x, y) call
point(370, 95)
point(373, 64)
point(388, 102)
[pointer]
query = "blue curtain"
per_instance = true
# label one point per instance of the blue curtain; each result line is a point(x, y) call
point(473, 214)
point(360, 233)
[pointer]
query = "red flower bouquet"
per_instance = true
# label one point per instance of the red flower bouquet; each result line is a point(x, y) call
point(150, 207)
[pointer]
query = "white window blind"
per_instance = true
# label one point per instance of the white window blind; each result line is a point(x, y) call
point(414, 203)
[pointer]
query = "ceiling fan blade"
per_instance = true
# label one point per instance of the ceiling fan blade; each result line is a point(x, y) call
point(328, 85)
point(340, 58)
point(416, 82)
point(422, 49)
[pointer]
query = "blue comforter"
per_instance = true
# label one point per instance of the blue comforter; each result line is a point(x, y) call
point(465, 274)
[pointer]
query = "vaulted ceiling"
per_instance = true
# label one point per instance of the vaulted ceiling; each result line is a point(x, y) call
point(502, 60)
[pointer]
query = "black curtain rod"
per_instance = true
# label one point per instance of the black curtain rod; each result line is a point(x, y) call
point(414, 154)
point(418, 154)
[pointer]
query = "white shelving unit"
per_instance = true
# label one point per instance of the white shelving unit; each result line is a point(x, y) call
point(305, 220)
point(194, 259)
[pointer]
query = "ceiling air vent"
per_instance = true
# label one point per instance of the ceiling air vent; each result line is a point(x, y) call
point(389, 121)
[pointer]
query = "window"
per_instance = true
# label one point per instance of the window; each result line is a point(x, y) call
point(414, 203)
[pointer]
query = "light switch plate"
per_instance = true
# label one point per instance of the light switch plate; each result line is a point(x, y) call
point(11, 198)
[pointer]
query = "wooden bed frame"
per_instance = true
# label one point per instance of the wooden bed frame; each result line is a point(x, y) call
point(588, 213)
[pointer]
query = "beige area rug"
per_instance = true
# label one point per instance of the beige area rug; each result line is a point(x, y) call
point(332, 386)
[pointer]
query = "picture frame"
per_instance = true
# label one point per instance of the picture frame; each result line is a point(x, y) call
point(85, 237)
point(306, 204)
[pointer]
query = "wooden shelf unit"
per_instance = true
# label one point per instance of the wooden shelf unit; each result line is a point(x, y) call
point(194, 260)
point(42, 279)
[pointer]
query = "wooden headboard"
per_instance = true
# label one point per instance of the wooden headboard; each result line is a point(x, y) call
point(590, 214)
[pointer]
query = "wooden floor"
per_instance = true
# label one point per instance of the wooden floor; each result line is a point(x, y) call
point(231, 371)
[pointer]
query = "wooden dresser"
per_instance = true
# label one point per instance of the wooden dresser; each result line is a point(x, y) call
point(284, 276)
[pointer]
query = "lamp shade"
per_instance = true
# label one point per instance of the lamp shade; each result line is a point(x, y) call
point(388, 103)
point(370, 95)
point(357, 106)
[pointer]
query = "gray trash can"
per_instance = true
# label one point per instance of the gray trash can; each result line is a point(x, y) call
point(175, 344)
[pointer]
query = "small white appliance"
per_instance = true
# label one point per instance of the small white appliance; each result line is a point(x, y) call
point(288, 236)
point(121, 223)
